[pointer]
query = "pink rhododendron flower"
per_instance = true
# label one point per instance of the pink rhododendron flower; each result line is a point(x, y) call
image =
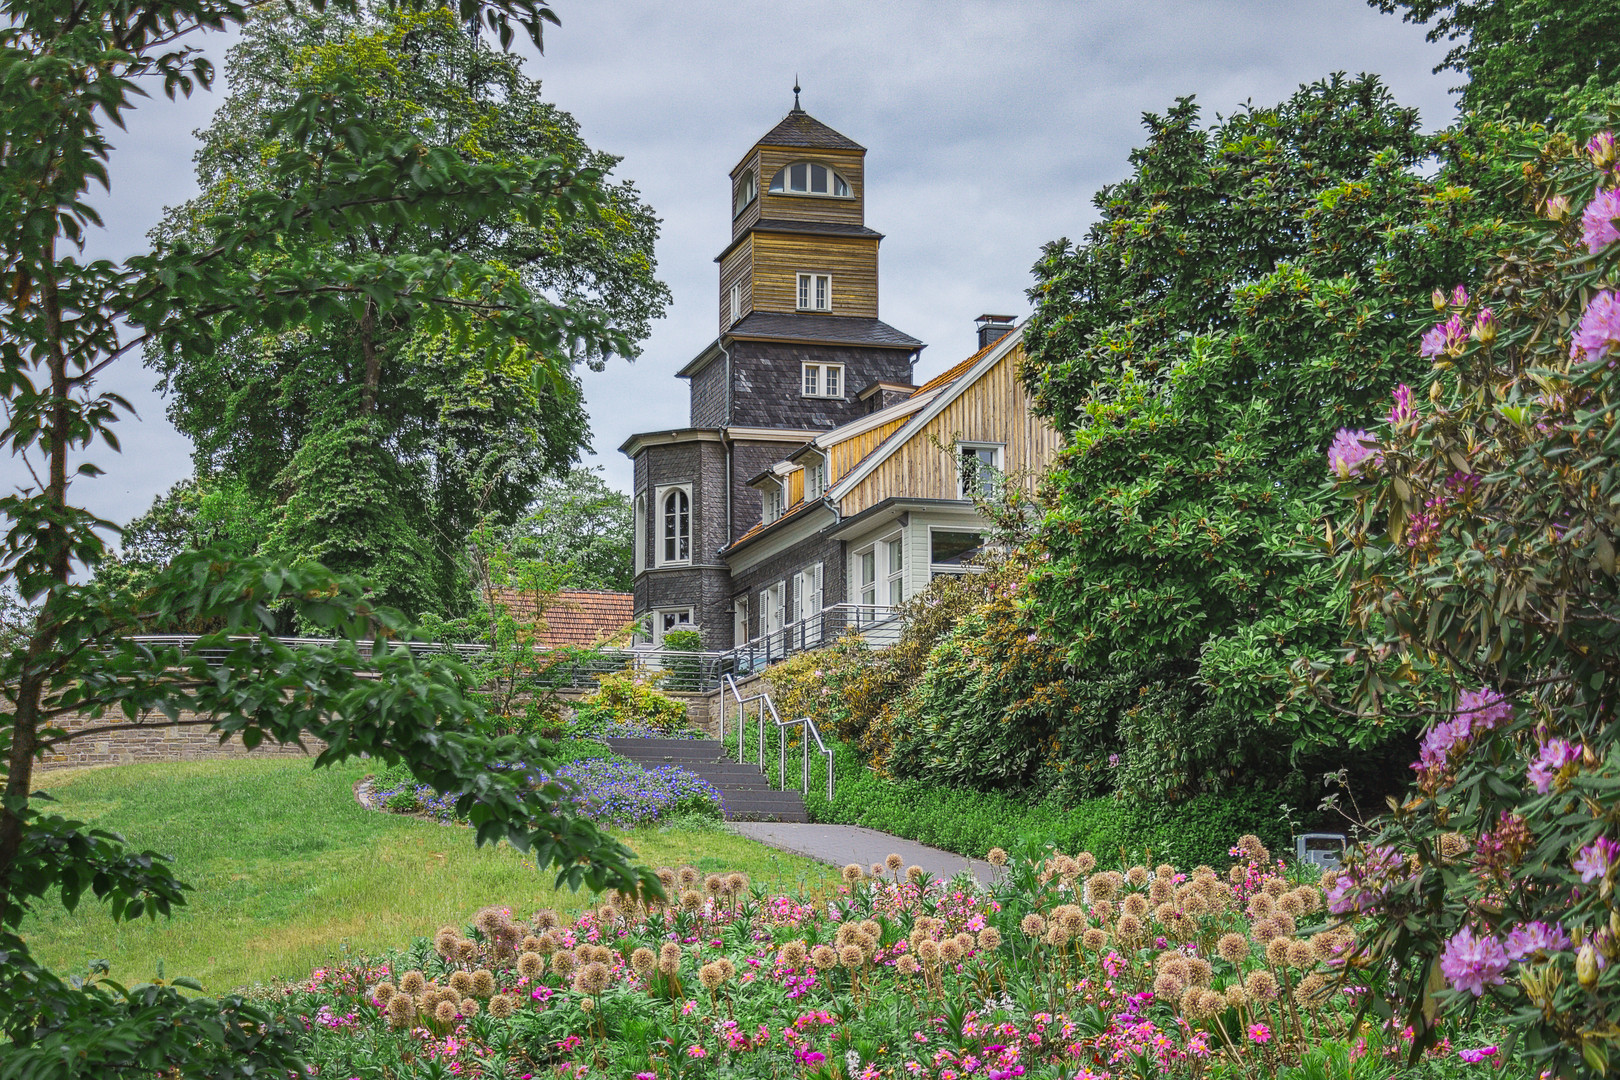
point(1349, 452)
point(1595, 859)
point(1445, 338)
point(1470, 963)
point(1477, 711)
point(1459, 297)
point(1598, 221)
point(1484, 330)
point(1553, 757)
point(1600, 327)
point(1403, 411)
point(1531, 938)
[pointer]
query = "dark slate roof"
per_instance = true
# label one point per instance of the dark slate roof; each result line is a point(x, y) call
point(799, 128)
point(832, 329)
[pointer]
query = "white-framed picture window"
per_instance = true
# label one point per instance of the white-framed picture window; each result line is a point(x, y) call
point(815, 478)
point(747, 192)
point(951, 551)
point(978, 465)
point(674, 524)
point(772, 605)
point(894, 564)
point(822, 380)
point(807, 593)
point(739, 622)
point(815, 292)
point(667, 619)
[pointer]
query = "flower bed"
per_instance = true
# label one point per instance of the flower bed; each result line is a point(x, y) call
point(1058, 971)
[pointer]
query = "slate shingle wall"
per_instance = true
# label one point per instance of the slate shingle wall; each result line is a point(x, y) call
point(768, 383)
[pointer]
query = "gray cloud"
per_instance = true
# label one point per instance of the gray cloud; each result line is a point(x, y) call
point(989, 125)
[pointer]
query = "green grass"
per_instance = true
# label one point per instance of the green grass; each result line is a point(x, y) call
point(288, 869)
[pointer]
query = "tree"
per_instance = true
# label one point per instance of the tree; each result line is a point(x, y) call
point(1246, 290)
point(583, 528)
point(1520, 55)
point(328, 419)
point(66, 71)
point(1477, 534)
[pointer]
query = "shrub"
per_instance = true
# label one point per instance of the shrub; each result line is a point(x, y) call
point(683, 673)
point(627, 704)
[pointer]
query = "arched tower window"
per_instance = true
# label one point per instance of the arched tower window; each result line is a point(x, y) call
point(677, 531)
point(808, 178)
point(747, 192)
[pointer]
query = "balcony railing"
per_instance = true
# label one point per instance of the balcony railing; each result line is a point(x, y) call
point(879, 625)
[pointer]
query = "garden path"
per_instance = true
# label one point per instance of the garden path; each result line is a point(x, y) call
point(845, 844)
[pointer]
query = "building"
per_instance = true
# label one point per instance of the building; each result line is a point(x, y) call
point(806, 455)
point(571, 617)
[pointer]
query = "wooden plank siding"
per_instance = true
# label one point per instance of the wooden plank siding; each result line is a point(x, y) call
point(745, 220)
point(795, 488)
point(739, 266)
point(844, 456)
point(852, 261)
point(846, 163)
point(994, 409)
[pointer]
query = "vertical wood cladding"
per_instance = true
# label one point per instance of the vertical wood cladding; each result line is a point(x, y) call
point(768, 382)
point(844, 456)
point(740, 223)
point(778, 258)
point(994, 409)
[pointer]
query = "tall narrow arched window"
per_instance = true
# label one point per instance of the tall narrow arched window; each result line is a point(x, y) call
point(677, 513)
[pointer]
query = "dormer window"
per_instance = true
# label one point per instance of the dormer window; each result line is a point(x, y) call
point(815, 478)
point(773, 502)
point(747, 192)
point(808, 178)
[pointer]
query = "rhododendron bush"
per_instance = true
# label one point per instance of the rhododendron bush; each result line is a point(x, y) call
point(1480, 551)
point(1059, 970)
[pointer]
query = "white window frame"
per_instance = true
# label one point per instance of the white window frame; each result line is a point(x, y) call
point(773, 500)
point(782, 182)
point(660, 539)
point(937, 569)
point(893, 576)
point(820, 376)
point(739, 622)
point(681, 619)
point(640, 559)
point(888, 584)
point(995, 464)
point(815, 478)
point(772, 605)
point(736, 301)
point(747, 192)
point(813, 291)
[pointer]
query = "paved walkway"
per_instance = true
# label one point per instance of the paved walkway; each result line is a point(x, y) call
point(841, 845)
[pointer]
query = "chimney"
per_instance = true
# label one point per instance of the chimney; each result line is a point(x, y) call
point(992, 328)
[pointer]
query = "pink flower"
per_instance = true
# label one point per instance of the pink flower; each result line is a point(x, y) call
point(1601, 149)
point(1484, 330)
point(1403, 412)
point(1259, 1033)
point(1596, 859)
point(696, 1052)
point(1459, 297)
point(1553, 757)
point(1474, 1057)
point(646, 1076)
point(1349, 452)
point(1445, 338)
point(1597, 223)
point(1600, 327)
point(1536, 937)
point(1471, 963)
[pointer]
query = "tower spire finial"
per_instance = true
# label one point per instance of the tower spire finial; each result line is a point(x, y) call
point(796, 93)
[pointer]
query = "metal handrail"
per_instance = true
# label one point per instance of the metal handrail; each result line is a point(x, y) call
point(729, 687)
point(879, 623)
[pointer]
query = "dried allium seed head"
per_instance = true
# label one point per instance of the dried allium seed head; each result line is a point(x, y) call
point(1263, 930)
point(530, 943)
point(852, 956)
point(401, 1010)
point(1073, 920)
point(1235, 997)
point(531, 965)
point(643, 960)
point(1261, 986)
point(502, 1006)
point(1057, 937)
point(1301, 955)
point(1235, 874)
point(1102, 886)
point(989, 939)
point(444, 942)
point(1261, 905)
point(413, 982)
point(1164, 872)
point(691, 900)
point(593, 978)
point(1290, 903)
point(714, 884)
point(466, 951)
point(489, 921)
point(907, 965)
point(461, 982)
point(1129, 929)
point(382, 993)
point(1312, 992)
point(563, 962)
point(669, 958)
point(1135, 904)
point(852, 874)
point(914, 874)
point(1161, 891)
point(1274, 886)
point(1167, 915)
point(1277, 951)
point(667, 877)
point(1251, 846)
point(844, 932)
point(793, 955)
point(546, 919)
point(996, 857)
point(736, 883)
point(1137, 876)
point(1191, 1003)
point(1195, 906)
point(548, 944)
point(928, 951)
point(949, 951)
point(1166, 987)
point(1285, 923)
point(1085, 862)
point(965, 941)
point(1310, 901)
point(1094, 940)
point(1033, 925)
point(468, 1008)
point(1102, 912)
point(824, 957)
point(916, 938)
point(483, 983)
point(1199, 970)
point(1233, 948)
point(444, 1012)
point(876, 869)
point(607, 915)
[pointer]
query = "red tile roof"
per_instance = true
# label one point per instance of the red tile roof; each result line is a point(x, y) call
point(574, 616)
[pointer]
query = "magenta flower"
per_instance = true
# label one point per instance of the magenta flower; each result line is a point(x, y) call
point(1349, 452)
point(1474, 1057)
point(1596, 859)
point(1531, 938)
point(1485, 708)
point(1459, 297)
point(1478, 711)
point(1600, 327)
point(1601, 149)
point(1445, 338)
point(1484, 330)
point(1402, 411)
point(1471, 963)
point(1597, 223)
point(1259, 1033)
point(1554, 756)
point(1435, 750)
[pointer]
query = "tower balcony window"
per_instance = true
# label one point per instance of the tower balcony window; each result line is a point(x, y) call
point(808, 178)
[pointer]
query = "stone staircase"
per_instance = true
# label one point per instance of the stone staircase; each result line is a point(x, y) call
point(745, 793)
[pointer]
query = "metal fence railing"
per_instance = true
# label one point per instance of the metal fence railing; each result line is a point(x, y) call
point(766, 714)
point(879, 625)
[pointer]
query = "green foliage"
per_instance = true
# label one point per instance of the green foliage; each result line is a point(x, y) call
point(265, 261)
point(1479, 546)
point(683, 672)
point(1246, 291)
point(581, 524)
point(459, 431)
point(626, 699)
point(1520, 55)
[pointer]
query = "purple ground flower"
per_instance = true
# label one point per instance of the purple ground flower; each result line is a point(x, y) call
point(1600, 327)
point(1536, 937)
point(1598, 222)
point(1349, 452)
point(1471, 963)
point(1595, 859)
point(1554, 756)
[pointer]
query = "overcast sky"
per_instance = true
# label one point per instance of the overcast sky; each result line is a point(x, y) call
point(989, 126)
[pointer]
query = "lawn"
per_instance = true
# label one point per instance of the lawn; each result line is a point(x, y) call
point(289, 870)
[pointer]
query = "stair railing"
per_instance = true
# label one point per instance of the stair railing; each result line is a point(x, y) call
point(764, 705)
